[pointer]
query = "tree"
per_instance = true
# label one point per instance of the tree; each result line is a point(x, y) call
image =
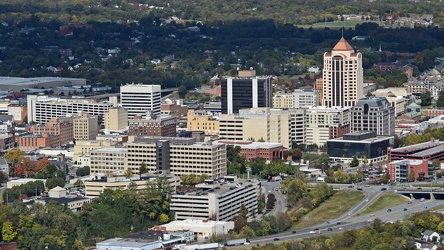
point(143, 168)
point(261, 203)
point(440, 101)
point(42, 164)
point(164, 218)
point(8, 232)
point(436, 164)
point(271, 199)
point(54, 182)
point(182, 91)
point(354, 162)
point(246, 232)
point(243, 211)
point(426, 98)
point(411, 176)
point(128, 173)
point(296, 154)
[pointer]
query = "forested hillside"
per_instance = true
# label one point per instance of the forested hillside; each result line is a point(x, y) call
point(283, 11)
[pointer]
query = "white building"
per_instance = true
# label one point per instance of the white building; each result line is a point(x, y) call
point(43, 108)
point(343, 77)
point(108, 161)
point(140, 99)
point(305, 98)
point(324, 123)
point(217, 201)
point(203, 229)
point(271, 125)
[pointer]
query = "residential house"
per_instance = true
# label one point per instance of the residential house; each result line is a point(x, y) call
point(430, 236)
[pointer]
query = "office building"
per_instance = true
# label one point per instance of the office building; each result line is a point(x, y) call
point(84, 147)
point(164, 126)
point(178, 156)
point(18, 111)
point(171, 108)
point(204, 121)
point(305, 98)
point(283, 100)
point(140, 99)
point(283, 126)
point(324, 123)
point(43, 108)
point(217, 201)
point(203, 229)
point(86, 127)
point(62, 127)
point(342, 76)
point(246, 91)
point(108, 161)
point(116, 119)
point(373, 114)
point(29, 143)
point(399, 170)
point(96, 186)
point(252, 150)
point(360, 144)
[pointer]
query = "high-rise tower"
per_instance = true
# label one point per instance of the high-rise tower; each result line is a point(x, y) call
point(342, 76)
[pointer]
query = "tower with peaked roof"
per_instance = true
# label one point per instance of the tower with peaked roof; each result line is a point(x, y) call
point(342, 76)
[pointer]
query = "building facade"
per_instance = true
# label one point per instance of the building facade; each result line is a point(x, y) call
point(108, 161)
point(399, 170)
point(84, 147)
point(178, 156)
point(324, 123)
point(161, 126)
point(252, 150)
point(283, 100)
point(29, 143)
point(373, 114)
point(305, 98)
point(86, 127)
point(342, 76)
point(140, 99)
point(116, 119)
point(264, 124)
point(62, 127)
point(43, 108)
point(203, 120)
point(216, 201)
point(363, 145)
point(246, 91)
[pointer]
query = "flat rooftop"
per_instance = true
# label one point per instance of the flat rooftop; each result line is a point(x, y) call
point(378, 138)
point(416, 147)
point(219, 187)
point(250, 145)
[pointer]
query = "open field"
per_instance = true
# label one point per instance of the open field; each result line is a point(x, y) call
point(337, 205)
point(385, 201)
point(336, 24)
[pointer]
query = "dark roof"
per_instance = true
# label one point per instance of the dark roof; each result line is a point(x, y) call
point(372, 101)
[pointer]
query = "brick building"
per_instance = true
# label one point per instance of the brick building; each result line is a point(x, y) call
point(162, 126)
point(62, 127)
point(33, 142)
point(399, 170)
point(252, 150)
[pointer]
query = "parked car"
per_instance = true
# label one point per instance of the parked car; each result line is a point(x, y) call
point(389, 210)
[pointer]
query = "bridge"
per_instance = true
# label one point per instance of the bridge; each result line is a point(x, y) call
point(422, 192)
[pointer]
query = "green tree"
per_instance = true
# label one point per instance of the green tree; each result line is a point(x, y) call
point(164, 218)
point(54, 182)
point(8, 232)
point(354, 162)
point(182, 91)
point(426, 98)
point(143, 168)
point(440, 101)
point(243, 211)
point(246, 232)
point(411, 176)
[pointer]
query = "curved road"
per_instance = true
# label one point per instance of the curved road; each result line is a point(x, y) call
point(348, 220)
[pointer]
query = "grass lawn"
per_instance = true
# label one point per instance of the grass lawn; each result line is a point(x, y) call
point(336, 24)
point(386, 200)
point(338, 204)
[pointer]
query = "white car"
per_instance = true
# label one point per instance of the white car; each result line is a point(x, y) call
point(312, 232)
point(340, 228)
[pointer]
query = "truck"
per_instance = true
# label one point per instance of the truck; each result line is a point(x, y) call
point(276, 178)
point(237, 242)
point(198, 246)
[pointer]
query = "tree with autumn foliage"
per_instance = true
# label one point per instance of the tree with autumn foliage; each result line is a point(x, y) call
point(26, 168)
point(42, 164)
point(14, 157)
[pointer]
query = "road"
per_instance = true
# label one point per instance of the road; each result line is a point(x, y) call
point(351, 222)
point(281, 201)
